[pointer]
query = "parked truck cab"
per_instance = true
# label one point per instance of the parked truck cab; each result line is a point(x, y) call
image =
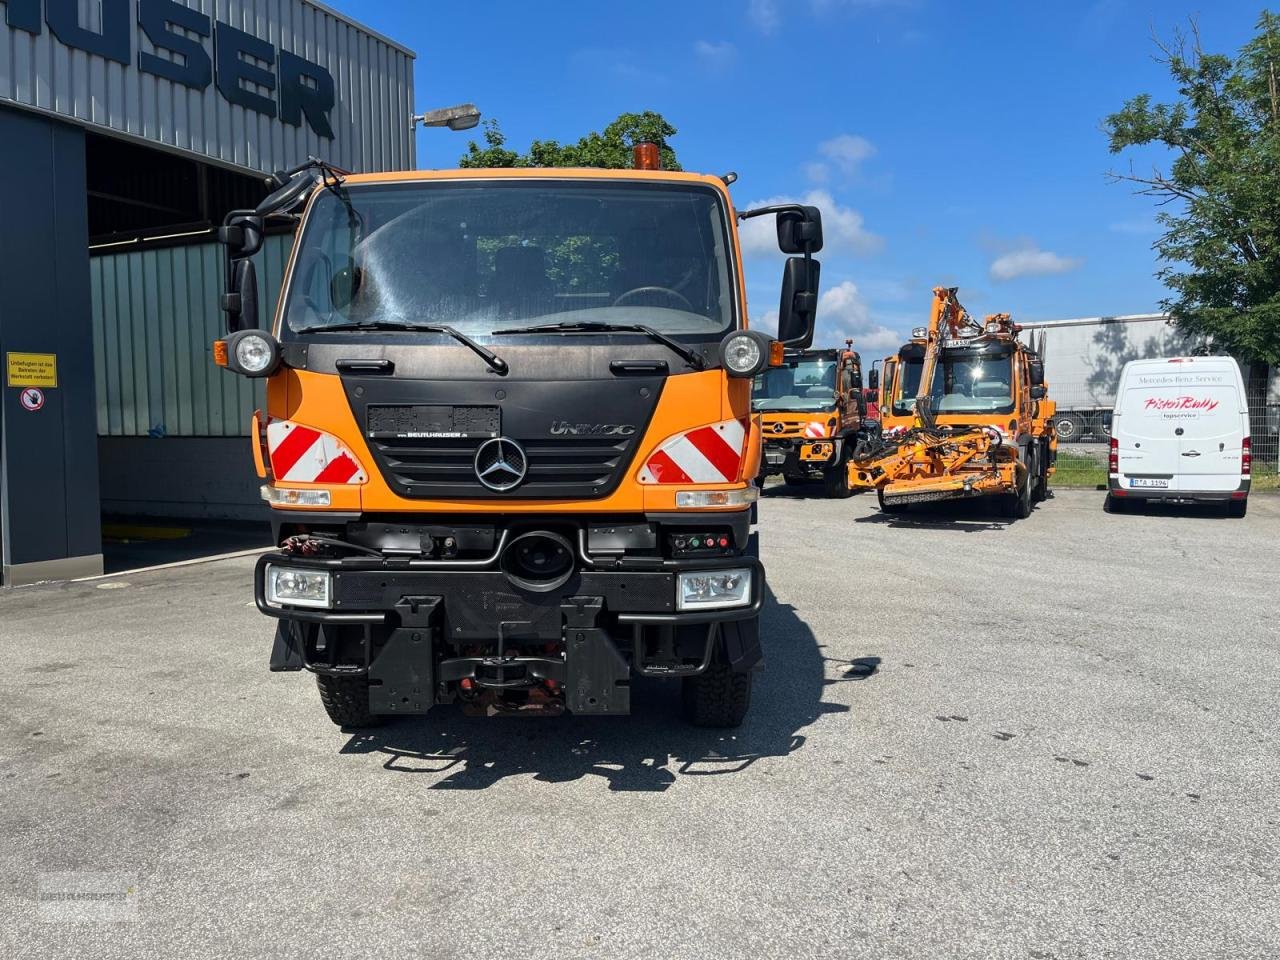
point(507, 444)
point(812, 414)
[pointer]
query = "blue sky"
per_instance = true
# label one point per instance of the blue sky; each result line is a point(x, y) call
point(947, 142)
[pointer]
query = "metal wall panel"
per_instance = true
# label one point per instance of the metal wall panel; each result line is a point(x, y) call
point(373, 79)
point(155, 316)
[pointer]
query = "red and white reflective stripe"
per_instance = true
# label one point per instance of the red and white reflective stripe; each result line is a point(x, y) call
point(814, 429)
point(710, 454)
point(305, 455)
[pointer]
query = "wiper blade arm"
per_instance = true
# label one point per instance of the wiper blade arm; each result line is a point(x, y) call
point(691, 357)
point(495, 362)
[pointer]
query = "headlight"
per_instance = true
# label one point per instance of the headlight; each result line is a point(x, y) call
point(744, 353)
point(717, 498)
point(298, 588)
point(252, 353)
point(713, 589)
point(280, 497)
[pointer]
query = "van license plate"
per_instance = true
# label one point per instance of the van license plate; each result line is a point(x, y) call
point(1148, 482)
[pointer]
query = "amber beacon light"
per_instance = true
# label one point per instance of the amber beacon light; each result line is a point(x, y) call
point(647, 156)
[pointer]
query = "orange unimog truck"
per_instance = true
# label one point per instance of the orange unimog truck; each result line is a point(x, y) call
point(508, 445)
point(812, 415)
point(965, 413)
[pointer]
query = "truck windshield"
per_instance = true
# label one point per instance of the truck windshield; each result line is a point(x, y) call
point(964, 383)
point(799, 385)
point(489, 255)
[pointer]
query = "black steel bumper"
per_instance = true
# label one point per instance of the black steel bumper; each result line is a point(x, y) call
point(423, 635)
point(478, 602)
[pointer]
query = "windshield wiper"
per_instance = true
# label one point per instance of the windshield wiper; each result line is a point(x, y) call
point(495, 362)
point(691, 357)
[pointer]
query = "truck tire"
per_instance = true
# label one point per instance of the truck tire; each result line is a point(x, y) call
point(1040, 492)
point(889, 507)
point(1069, 427)
point(717, 697)
point(1017, 506)
point(835, 480)
point(346, 700)
point(1236, 509)
point(1114, 505)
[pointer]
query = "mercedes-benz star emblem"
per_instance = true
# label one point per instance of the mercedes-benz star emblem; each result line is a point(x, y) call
point(779, 427)
point(501, 464)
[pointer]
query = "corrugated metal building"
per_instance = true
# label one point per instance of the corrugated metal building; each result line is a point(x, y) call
point(128, 128)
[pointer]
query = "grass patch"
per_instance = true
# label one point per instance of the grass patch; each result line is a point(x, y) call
point(1086, 472)
point(1079, 470)
point(1265, 476)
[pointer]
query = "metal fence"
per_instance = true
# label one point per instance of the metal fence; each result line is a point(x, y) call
point(1084, 433)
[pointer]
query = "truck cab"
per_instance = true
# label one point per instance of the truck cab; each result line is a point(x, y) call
point(813, 413)
point(964, 412)
point(508, 444)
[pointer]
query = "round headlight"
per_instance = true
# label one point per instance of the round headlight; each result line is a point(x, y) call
point(745, 353)
point(253, 353)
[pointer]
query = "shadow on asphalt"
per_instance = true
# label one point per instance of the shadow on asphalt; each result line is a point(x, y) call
point(966, 516)
point(646, 751)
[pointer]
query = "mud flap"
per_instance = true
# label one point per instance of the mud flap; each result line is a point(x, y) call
point(740, 641)
point(286, 650)
point(597, 677)
point(401, 679)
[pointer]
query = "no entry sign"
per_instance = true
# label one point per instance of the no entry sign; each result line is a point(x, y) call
point(32, 398)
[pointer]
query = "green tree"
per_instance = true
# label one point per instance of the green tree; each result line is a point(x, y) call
point(1221, 189)
point(612, 148)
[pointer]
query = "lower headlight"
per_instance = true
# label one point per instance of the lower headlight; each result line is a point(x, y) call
point(717, 498)
point(712, 589)
point(298, 588)
point(281, 497)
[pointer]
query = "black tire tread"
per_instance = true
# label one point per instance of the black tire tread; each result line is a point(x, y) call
point(346, 700)
point(718, 697)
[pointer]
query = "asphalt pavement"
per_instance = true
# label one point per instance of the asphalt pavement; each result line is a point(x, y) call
point(1049, 738)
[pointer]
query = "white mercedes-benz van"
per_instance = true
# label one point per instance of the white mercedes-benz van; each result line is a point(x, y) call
point(1180, 432)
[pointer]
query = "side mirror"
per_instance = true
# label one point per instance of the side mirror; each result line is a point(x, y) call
point(873, 379)
point(242, 236)
point(1039, 392)
point(285, 197)
point(1037, 373)
point(800, 230)
point(241, 301)
point(798, 306)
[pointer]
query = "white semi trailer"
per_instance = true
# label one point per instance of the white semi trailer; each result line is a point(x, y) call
point(1083, 359)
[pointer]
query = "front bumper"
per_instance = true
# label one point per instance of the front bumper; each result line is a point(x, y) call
point(795, 455)
point(427, 636)
point(478, 603)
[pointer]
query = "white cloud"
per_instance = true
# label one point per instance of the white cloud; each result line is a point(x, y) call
point(843, 314)
point(1030, 261)
point(843, 228)
point(763, 14)
point(847, 151)
point(715, 56)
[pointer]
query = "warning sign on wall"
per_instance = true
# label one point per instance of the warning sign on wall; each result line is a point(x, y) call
point(31, 369)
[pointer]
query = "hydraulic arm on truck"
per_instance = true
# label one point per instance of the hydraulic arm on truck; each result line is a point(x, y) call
point(979, 417)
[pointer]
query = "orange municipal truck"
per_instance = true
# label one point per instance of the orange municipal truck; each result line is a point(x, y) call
point(812, 416)
point(965, 412)
point(507, 442)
